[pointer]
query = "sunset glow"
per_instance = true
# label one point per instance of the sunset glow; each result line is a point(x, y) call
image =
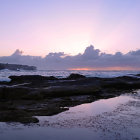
point(71, 34)
point(106, 69)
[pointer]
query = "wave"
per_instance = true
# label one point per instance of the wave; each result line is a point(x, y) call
point(4, 74)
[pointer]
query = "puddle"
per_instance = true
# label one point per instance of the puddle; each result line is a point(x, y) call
point(115, 118)
point(90, 109)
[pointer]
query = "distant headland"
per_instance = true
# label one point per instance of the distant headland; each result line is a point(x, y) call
point(16, 67)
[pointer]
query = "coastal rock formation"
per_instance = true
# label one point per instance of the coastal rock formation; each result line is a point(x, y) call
point(25, 78)
point(16, 67)
point(35, 95)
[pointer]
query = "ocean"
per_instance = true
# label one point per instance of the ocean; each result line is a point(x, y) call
point(4, 74)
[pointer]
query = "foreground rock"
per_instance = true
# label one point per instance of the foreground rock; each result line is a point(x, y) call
point(34, 95)
point(17, 116)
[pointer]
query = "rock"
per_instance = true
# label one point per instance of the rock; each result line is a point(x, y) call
point(128, 78)
point(137, 74)
point(66, 91)
point(75, 76)
point(28, 120)
point(48, 111)
point(18, 93)
point(122, 85)
point(17, 116)
point(34, 95)
point(13, 93)
point(30, 78)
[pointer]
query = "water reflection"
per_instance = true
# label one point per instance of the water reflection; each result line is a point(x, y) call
point(90, 109)
point(102, 120)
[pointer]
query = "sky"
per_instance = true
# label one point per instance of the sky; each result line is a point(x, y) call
point(38, 27)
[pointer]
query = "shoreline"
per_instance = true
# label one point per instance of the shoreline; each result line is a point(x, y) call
point(102, 122)
point(33, 95)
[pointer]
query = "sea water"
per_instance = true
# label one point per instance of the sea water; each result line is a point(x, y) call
point(4, 74)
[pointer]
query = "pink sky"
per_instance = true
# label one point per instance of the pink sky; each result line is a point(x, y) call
point(39, 27)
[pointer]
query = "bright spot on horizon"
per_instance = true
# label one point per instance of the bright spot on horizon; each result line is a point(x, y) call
point(104, 68)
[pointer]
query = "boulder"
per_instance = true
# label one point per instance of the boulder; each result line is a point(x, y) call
point(75, 76)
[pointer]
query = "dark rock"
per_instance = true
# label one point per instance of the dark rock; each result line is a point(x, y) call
point(128, 78)
point(74, 76)
point(33, 95)
point(30, 78)
point(49, 95)
point(137, 74)
point(122, 85)
point(66, 91)
point(13, 93)
point(48, 111)
point(17, 116)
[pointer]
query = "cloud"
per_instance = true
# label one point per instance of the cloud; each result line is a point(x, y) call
point(91, 58)
point(17, 53)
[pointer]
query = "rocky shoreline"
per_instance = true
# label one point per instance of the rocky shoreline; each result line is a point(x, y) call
point(27, 96)
point(16, 67)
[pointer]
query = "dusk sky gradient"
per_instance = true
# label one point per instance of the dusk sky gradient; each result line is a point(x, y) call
point(38, 27)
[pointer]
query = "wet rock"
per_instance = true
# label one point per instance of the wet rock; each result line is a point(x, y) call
point(48, 111)
point(137, 74)
point(128, 78)
point(74, 76)
point(17, 116)
point(34, 95)
point(13, 93)
point(30, 78)
point(122, 85)
point(66, 91)
point(20, 93)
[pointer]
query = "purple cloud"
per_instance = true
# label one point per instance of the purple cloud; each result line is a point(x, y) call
point(91, 58)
